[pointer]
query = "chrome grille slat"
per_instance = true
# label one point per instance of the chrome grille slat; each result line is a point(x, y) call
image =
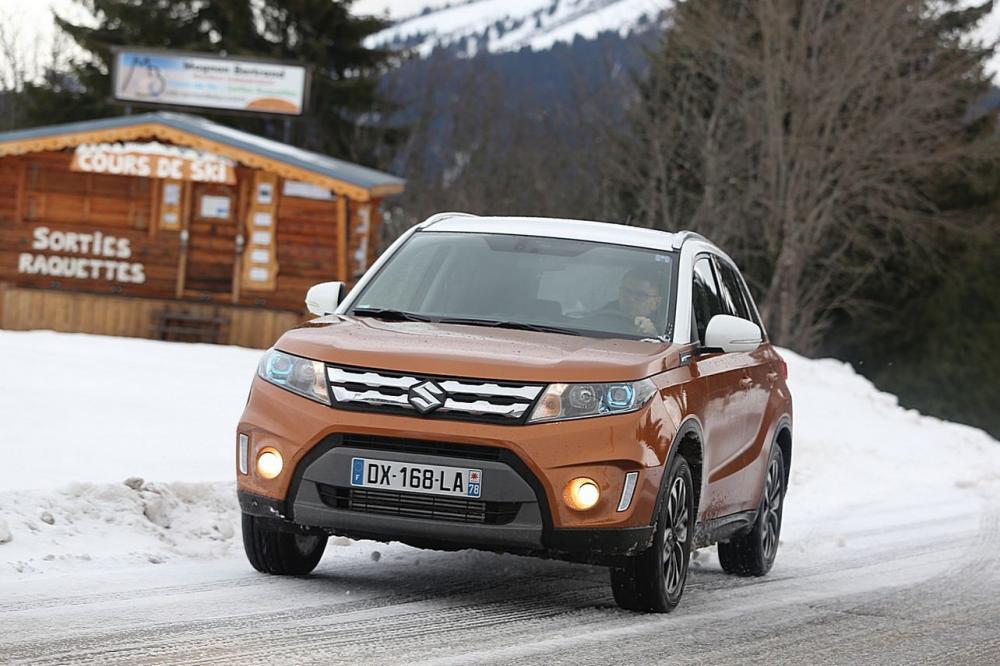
point(516, 410)
point(341, 376)
point(362, 388)
point(341, 394)
point(492, 390)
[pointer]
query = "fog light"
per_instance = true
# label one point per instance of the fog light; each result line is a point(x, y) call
point(269, 463)
point(581, 493)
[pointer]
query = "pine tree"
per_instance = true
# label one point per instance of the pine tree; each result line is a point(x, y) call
point(321, 33)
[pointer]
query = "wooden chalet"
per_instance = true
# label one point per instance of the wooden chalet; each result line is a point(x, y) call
point(169, 226)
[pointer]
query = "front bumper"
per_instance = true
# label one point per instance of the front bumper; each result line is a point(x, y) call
point(320, 492)
point(526, 466)
point(592, 546)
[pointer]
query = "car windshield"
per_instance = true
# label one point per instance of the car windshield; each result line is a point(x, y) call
point(548, 284)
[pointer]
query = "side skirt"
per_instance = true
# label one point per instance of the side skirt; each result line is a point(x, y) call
point(724, 528)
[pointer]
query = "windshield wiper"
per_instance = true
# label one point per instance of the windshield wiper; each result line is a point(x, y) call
point(389, 314)
point(499, 323)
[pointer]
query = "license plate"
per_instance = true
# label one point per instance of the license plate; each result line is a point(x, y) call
point(416, 478)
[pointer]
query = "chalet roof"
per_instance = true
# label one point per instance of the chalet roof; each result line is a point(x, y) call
point(353, 180)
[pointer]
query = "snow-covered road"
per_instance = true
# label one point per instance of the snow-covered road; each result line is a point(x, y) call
point(890, 550)
point(922, 589)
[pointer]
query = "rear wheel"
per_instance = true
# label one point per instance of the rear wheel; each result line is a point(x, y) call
point(753, 554)
point(275, 551)
point(653, 580)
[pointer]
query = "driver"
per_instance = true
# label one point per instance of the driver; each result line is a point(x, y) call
point(638, 299)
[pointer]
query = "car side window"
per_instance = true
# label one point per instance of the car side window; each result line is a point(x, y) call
point(754, 317)
point(705, 297)
point(738, 287)
point(732, 291)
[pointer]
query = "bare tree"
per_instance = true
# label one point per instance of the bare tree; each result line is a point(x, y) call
point(800, 135)
point(24, 59)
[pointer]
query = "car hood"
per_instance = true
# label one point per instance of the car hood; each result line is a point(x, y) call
point(475, 351)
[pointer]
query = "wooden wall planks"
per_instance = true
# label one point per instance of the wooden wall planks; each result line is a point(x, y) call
point(24, 309)
point(315, 240)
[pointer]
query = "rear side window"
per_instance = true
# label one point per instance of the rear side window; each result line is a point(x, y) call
point(732, 291)
point(737, 294)
point(706, 301)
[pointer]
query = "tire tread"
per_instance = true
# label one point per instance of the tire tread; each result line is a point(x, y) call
point(276, 552)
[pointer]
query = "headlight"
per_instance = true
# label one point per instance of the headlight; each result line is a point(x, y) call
point(295, 374)
point(576, 401)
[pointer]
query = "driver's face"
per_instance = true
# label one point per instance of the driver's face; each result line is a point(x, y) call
point(638, 298)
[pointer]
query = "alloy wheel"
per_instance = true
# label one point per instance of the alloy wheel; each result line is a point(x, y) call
point(675, 536)
point(772, 508)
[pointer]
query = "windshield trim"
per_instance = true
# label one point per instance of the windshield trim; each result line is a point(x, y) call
point(369, 277)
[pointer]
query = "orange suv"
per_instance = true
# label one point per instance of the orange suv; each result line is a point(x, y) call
point(560, 388)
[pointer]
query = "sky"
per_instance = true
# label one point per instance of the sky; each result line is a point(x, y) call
point(33, 17)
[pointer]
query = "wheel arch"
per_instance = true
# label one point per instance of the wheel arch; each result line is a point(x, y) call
point(783, 438)
point(689, 442)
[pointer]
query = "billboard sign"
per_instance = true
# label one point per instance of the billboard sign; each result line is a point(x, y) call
point(148, 76)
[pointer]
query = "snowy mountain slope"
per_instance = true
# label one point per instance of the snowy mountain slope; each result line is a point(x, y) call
point(166, 412)
point(510, 25)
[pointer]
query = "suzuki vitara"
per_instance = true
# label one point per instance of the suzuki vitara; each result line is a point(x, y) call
point(560, 388)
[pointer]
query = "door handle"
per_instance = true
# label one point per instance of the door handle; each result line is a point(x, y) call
point(746, 382)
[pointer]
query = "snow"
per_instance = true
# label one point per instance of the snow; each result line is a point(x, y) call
point(540, 24)
point(534, 24)
point(119, 451)
point(101, 409)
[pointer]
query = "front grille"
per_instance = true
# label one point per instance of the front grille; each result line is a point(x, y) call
point(412, 505)
point(433, 397)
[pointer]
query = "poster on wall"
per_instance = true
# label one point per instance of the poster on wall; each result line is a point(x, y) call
point(174, 78)
point(213, 206)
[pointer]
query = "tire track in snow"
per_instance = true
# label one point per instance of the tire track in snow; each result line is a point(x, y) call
point(469, 607)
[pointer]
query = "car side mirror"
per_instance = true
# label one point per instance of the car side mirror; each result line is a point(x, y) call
point(732, 334)
point(322, 299)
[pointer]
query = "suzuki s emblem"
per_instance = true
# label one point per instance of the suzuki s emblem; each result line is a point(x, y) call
point(426, 397)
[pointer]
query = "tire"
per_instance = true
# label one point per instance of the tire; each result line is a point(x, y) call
point(753, 554)
point(653, 581)
point(274, 551)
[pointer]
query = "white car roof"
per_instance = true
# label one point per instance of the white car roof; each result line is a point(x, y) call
point(548, 227)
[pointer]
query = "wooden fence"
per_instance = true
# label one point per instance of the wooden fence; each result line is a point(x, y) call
point(24, 309)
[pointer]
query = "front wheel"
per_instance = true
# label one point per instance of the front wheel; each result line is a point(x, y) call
point(275, 551)
point(653, 580)
point(753, 554)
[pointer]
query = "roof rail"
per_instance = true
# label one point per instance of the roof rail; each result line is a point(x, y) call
point(682, 236)
point(437, 217)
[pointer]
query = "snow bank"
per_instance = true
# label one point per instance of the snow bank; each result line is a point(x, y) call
point(855, 446)
point(131, 522)
point(82, 414)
